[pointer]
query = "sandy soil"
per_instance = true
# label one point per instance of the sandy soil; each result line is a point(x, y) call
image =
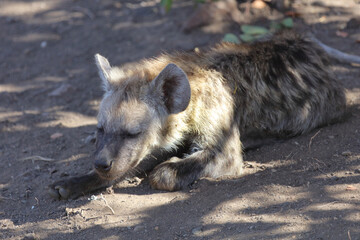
point(304, 188)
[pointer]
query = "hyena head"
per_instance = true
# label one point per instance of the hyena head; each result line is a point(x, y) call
point(133, 113)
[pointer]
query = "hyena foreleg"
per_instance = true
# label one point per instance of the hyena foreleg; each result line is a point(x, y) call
point(213, 161)
point(77, 186)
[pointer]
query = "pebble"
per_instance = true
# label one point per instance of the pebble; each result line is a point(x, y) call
point(43, 44)
point(196, 230)
point(346, 153)
point(62, 89)
point(56, 135)
point(138, 228)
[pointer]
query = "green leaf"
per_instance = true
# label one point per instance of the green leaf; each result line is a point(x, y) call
point(287, 22)
point(253, 30)
point(229, 37)
point(166, 4)
point(247, 37)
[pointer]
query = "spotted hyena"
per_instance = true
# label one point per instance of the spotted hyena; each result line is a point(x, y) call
point(180, 116)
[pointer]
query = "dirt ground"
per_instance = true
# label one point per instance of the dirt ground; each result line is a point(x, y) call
point(307, 187)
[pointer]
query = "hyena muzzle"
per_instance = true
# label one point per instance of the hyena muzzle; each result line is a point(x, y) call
point(180, 116)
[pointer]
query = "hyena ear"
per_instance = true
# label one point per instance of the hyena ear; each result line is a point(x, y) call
point(173, 84)
point(104, 70)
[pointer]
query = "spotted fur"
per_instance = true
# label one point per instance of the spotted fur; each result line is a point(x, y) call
point(183, 115)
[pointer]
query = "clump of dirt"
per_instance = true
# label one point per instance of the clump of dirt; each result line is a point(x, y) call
point(304, 188)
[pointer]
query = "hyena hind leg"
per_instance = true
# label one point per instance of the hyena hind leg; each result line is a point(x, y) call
point(225, 159)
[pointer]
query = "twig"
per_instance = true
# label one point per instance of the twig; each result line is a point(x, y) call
point(106, 203)
point(311, 139)
point(319, 161)
point(336, 53)
point(85, 11)
point(349, 235)
point(37, 158)
point(325, 204)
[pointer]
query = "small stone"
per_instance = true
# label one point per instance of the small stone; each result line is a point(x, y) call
point(346, 153)
point(62, 89)
point(273, 170)
point(138, 228)
point(331, 137)
point(196, 230)
point(64, 174)
point(43, 44)
point(156, 228)
point(56, 135)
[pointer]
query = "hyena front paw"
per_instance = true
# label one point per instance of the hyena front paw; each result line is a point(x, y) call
point(163, 177)
point(62, 190)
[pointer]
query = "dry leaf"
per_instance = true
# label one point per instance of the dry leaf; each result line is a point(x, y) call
point(259, 4)
point(322, 19)
point(350, 188)
point(341, 34)
point(292, 14)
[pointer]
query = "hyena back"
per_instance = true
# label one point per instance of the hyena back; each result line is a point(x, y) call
point(180, 115)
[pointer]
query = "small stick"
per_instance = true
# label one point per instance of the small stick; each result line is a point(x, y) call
point(106, 203)
point(85, 11)
point(37, 158)
point(313, 138)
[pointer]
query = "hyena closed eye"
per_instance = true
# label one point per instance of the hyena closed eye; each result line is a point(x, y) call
point(180, 116)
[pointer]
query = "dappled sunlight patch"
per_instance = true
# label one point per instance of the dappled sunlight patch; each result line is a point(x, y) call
point(11, 8)
point(329, 206)
point(116, 211)
point(69, 120)
point(11, 116)
point(155, 23)
point(347, 173)
point(36, 37)
point(49, 78)
point(252, 167)
point(347, 193)
point(269, 212)
point(15, 128)
point(15, 88)
point(43, 228)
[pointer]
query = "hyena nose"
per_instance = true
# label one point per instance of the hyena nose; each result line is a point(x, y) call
point(103, 165)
